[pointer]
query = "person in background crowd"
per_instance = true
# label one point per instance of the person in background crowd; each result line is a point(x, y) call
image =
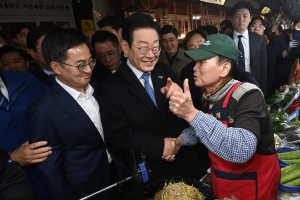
point(235, 126)
point(135, 113)
point(13, 59)
point(257, 26)
point(227, 30)
point(113, 24)
point(13, 181)
point(3, 39)
point(39, 69)
point(252, 46)
point(286, 52)
point(225, 23)
point(210, 29)
point(17, 91)
point(67, 116)
point(107, 51)
point(174, 56)
point(19, 33)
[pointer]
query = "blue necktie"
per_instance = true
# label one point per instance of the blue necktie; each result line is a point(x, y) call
point(148, 87)
point(241, 61)
point(3, 101)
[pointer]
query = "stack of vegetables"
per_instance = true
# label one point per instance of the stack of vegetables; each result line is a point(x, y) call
point(290, 175)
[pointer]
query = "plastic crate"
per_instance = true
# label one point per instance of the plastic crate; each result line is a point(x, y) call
point(281, 150)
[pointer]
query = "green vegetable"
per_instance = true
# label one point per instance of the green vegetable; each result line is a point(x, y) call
point(275, 98)
point(287, 169)
point(295, 161)
point(287, 99)
point(291, 175)
point(291, 155)
point(295, 182)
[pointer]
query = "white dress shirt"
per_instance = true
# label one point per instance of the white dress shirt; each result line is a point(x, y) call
point(246, 45)
point(139, 74)
point(90, 106)
point(3, 89)
point(48, 72)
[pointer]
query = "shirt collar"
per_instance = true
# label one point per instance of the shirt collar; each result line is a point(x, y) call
point(48, 72)
point(245, 34)
point(89, 90)
point(2, 85)
point(137, 72)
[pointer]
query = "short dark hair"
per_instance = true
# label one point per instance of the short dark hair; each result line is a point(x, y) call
point(190, 34)
point(113, 21)
point(11, 49)
point(103, 36)
point(169, 29)
point(136, 21)
point(2, 34)
point(16, 29)
point(35, 34)
point(210, 29)
point(233, 63)
point(59, 41)
point(241, 5)
point(259, 18)
point(226, 22)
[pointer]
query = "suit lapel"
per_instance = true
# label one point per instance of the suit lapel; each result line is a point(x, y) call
point(66, 102)
point(137, 89)
point(252, 43)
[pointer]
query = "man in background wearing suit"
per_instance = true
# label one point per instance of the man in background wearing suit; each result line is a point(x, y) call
point(251, 45)
point(67, 116)
point(107, 51)
point(135, 113)
point(40, 69)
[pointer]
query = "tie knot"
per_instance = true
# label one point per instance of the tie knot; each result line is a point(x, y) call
point(145, 76)
point(240, 36)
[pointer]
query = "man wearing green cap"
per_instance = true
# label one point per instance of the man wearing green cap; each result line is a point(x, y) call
point(235, 125)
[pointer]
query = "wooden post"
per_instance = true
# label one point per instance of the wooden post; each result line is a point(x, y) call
point(192, 27)
point(175, 15)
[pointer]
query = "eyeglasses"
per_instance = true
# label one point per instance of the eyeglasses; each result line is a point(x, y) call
point(171, 41)
point(82, 67)
point(110, 55)
point(145, 50)
point(257, 27)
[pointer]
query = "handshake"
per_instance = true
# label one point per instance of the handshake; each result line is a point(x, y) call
point(171, 148)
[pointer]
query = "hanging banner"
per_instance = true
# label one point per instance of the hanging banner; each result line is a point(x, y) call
point(88, 26)
point(36, 7)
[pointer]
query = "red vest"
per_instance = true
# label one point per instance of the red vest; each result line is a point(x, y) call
point(257, 179)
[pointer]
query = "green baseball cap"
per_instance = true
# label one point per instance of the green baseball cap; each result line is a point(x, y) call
point(216, 44)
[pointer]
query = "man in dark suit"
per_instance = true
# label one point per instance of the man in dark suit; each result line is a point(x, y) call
point(134, 111)
point(39, 68)
point(107, 51)
point(254, 59)
point(67, 116)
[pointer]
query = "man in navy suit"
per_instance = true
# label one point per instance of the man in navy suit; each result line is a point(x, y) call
point(67, 117)
point(254, 58)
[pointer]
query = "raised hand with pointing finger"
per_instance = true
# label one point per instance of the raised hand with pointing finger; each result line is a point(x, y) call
point(170, 88)
point(181, 103)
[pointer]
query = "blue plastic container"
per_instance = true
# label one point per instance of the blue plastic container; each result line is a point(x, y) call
point(281, 150)
point(282, 187)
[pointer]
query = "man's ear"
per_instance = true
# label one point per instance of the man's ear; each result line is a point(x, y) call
point(120, 32)
point(226, 69)
point(125, 47)
point(55, 67)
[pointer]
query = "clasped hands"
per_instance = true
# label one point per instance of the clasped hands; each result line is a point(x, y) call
point(171, 148)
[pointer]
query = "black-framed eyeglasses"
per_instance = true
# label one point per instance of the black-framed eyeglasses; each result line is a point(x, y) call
point(171, 41)
point(145, 50)
point(257, 27)
point(82, 67)
point(110, 55)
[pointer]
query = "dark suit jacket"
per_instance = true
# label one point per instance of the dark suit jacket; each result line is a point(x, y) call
point(78, 164)
point(39, 73)
point(100, 72)
point(258, 59)
point(132, 122)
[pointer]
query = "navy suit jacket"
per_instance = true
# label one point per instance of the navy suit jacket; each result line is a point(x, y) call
point(78, 164)
point(258, 59)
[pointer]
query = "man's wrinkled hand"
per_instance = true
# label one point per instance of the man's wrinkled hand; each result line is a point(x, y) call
point(181, 103)
point(170, 149)
point(28, 154)
point(170, 88)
